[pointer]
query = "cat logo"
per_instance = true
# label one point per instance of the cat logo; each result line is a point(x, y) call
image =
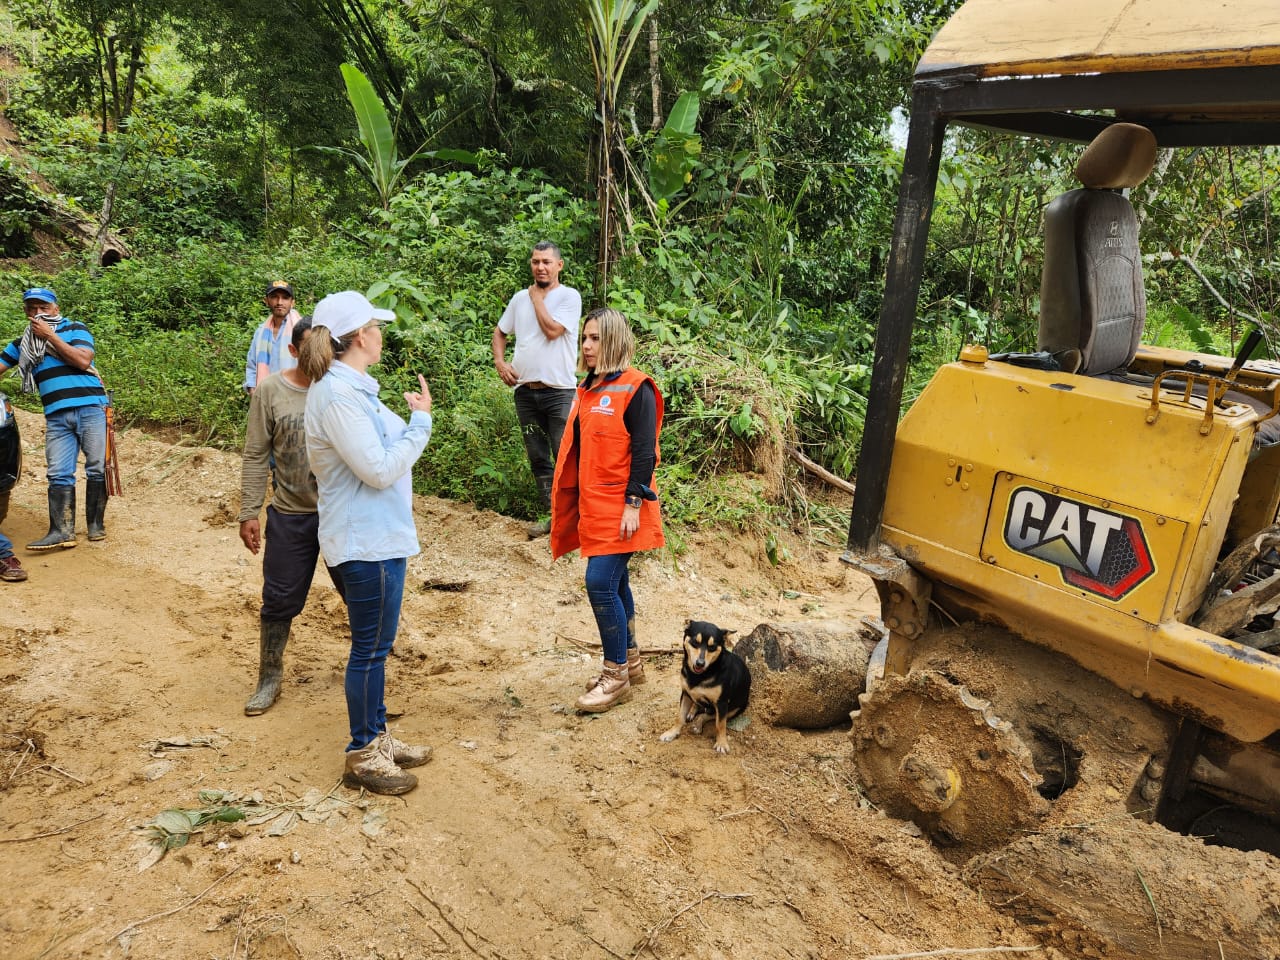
point(1094, 549)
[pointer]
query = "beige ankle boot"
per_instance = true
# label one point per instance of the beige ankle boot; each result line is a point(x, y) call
point(371, 767)
point(635, 666)
point(403, 754)
point(635, 669)
point(612, 686)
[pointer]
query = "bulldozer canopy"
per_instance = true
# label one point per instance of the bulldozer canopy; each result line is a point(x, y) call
point(1194, 71)
point(1083, 36)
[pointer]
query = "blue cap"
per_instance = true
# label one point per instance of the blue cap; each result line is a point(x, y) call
point(39, 293)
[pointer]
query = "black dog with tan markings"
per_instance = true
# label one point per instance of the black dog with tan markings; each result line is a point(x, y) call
point(713, 682)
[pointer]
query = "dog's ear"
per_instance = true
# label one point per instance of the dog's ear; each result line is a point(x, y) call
point(725, 638)
point(687, 622)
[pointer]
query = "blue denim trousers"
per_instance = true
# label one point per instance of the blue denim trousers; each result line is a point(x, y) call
point(6, 547)
point(609, 590)
point(374, 589)
point(69, 432)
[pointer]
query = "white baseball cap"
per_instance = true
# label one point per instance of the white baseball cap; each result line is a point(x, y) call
point(346, 312)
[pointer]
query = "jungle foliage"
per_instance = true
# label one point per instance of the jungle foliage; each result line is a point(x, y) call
point(726, 174)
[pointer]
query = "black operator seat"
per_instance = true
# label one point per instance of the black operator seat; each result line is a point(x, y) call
point(1092, 303)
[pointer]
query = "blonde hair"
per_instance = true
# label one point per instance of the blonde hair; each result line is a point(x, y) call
point(319, 350)
point(617, 343)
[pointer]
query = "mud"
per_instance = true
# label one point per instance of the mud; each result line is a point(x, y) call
point(535, 832)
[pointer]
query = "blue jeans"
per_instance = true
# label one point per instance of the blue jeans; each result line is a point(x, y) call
point(6, 547)
point(609, 590)
point(66, 434)
point(543, 415)
point(374, 589)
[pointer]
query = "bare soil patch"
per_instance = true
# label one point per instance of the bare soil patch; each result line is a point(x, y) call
point(534, 832)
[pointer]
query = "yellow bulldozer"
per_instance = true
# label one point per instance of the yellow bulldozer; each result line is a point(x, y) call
point(1076, 549)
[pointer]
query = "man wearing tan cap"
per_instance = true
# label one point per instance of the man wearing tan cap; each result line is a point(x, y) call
point(269, 349)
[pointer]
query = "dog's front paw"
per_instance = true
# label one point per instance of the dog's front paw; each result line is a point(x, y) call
point(670, 735)
point(722, 746)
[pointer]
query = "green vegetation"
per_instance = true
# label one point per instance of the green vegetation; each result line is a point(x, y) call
point(725, 175)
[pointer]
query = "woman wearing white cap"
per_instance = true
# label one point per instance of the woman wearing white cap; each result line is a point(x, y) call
point(361, 454)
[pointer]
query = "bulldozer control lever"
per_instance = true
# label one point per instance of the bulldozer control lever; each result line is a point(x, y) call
point(1246, 351)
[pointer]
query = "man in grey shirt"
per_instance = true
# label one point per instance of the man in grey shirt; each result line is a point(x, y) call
point(276, 444)
point(544, 320)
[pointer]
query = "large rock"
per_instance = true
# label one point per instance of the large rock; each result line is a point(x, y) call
point(805, 675)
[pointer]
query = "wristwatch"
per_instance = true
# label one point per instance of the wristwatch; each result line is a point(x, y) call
point(631, 501)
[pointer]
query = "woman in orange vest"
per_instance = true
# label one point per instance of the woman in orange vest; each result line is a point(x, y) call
point(603, 500)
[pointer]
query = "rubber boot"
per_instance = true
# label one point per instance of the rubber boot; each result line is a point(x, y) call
point(95, 506)
point(543, 526)
point(62, 520)
point(612, 687)
point(274, 637)
point(635, 666)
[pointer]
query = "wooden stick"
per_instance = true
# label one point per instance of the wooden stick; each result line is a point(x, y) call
point(951, 952)
point(168, 913)
point(819, 471)
point(51, 833)
point(644, 651)
point(461, 932)
point(69, 776)
point(651, 939)
point(22, 759)
point(602, 946)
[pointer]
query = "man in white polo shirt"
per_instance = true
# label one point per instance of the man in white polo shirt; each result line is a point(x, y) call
point(544, 320)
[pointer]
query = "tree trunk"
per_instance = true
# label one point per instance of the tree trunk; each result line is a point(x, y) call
point(102, 86)
point(655, 73)
point(113, 77)
point(604, 198)
point(131, 81)
point(104, 224)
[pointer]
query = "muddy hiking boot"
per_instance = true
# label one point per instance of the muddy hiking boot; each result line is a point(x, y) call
point(372, 768)
point(274, 636)
point(62, 520)
point(11, 570)
point(403, 754)
point(635, 666)
point(95, 507)
point(635, 669)
point(611, 687)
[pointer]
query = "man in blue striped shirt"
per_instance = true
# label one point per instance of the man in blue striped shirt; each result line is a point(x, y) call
point(55, 356)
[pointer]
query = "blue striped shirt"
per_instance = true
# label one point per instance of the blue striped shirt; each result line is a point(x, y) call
point(62, 387)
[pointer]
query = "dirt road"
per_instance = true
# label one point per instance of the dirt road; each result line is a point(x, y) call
point(535, 832)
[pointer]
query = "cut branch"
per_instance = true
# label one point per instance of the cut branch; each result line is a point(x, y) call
point(819, 471)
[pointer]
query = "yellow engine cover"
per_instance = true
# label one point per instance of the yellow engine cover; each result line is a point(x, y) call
point(1059, 506)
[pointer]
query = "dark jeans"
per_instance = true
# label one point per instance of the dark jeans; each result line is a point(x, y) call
point(289, 557)
point(374, 589)
point(542, 415)
point(609, 590)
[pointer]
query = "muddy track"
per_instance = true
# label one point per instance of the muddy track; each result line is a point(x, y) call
point(534, 833)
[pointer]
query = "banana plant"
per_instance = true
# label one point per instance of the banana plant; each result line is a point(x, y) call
point(380, 161)
point(676, 149)
point(613, 27)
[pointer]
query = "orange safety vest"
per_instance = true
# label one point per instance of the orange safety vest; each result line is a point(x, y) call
point(591, 474)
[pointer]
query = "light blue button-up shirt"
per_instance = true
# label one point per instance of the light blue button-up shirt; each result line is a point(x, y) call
point(361, 454)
